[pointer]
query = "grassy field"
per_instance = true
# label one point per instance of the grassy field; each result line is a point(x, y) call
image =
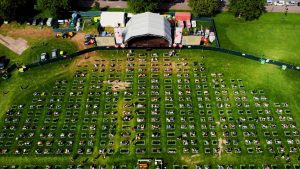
point(40, 40)
point(277, 85)
point(274, 35)
point(215, 96)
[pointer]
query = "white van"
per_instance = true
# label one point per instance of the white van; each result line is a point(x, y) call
point(279, 3)
point(61, 21)
point(291, 3)
point(49, 22)
point(269, 2)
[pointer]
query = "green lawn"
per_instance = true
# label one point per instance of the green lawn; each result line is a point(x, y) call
point(273, 35)
point(236, 73)
point(279, 86)
point(32, 54)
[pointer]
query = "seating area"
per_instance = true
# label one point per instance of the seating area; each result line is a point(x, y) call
point(152, 104)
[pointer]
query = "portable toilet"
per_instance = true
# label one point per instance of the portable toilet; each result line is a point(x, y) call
point(74, 19)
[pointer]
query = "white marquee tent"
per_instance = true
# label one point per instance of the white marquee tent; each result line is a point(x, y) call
point(148, 24)
point(112, 19)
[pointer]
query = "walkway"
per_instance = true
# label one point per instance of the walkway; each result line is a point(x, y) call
point(16, 45)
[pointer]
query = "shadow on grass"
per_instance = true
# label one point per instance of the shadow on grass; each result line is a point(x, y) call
point(224, 40)
point(4, 60)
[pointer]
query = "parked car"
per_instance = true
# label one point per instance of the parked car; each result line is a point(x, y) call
point(54, 23)
point(3, 62)
point(291, 3)
point(279, 3)
point(49, 21)
point(34, 21)
point(43, 21)
point(1, 65)
point(298, 3)
point(61, 21)
point(38, 20)
point(44, 57)
point(269, 2)
point(29, 21)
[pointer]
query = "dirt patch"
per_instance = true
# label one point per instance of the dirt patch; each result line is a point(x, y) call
point(93, 61)
point(33, 32)
point(220, 145)
point(27, 32)
point(194, 159)
point(37, 32)
point(78, 39)
point(118, 85)
point(85, 60)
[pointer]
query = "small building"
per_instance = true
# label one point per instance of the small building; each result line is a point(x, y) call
point(112, 19)
point(183, 16)
point(148, 30)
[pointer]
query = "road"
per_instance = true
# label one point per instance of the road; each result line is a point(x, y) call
point(178, 6)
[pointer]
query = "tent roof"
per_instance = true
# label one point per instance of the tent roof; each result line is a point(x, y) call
point(183, 16)
point(112, 19)
point(148, 24)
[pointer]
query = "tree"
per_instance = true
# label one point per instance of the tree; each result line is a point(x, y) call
point(204, 7)
point(53, 6)
point(248, 9)
point(97, 5)
point(140, 6)
point(16, 9)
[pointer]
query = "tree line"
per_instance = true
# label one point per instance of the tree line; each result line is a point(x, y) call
point(21, 9)
point(247, 9)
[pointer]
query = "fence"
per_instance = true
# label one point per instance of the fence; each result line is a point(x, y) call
point(88, 14)
point(64, 30)
point(216, 49)
point(248, 56)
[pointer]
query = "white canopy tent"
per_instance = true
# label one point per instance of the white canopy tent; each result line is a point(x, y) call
point(148, 24)
point(112, 19)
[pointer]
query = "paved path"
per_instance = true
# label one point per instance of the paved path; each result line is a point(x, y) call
point(178, 6)
point(18, 46)
point(292, 9)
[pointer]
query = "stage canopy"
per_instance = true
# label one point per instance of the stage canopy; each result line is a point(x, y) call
point(148, 26)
